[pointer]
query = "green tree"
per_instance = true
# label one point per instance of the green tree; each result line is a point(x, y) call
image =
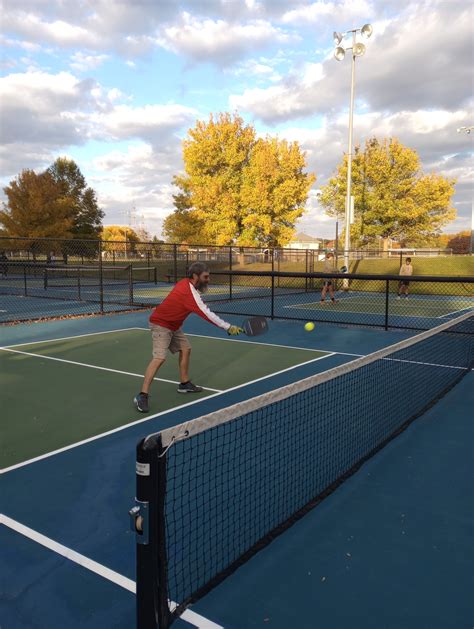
point(84, 210)
point(217, 202)
point(393, 198)
point(36, 207)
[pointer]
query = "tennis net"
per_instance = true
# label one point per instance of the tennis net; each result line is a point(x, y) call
point(213, 491)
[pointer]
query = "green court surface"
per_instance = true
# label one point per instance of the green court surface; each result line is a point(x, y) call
point(63, 391)
point(414, 306)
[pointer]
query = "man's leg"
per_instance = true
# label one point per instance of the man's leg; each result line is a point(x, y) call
point(182, 345)
point(161, 339)
point(150, 373)
point(184, 356)
point(323, 292)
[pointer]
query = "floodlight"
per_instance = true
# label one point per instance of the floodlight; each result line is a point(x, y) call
point(337, 38)
point(339, 53)
point(367, 30)
point(358, 50)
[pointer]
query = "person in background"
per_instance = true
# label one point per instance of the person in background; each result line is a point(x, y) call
point(405, 271)
point(328, 283)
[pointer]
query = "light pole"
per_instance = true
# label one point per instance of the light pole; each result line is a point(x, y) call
point(358, 50)
point(468, 130)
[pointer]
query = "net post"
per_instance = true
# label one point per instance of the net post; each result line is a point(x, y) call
point(387, 283)
point(148, 522)
point(101, 279)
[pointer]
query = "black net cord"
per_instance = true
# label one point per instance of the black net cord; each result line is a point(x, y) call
point(152, 609)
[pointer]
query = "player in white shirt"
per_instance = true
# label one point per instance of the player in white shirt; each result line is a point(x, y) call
point(405, 271)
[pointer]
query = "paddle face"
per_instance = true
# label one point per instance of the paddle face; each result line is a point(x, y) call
point(255, 326)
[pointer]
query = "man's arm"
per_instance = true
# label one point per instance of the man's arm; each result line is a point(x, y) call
point(200, 308)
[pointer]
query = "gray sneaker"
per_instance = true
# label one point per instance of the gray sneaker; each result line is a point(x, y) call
point(189, 387)
point(141, 402)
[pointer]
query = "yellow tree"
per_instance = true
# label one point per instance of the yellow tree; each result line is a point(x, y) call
point(214, 155)
point(274, 192)
point(393, 198)
point(119, 238)
point(217, 200)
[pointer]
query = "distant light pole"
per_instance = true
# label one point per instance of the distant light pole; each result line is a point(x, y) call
point(358, 49)
point(468, 130)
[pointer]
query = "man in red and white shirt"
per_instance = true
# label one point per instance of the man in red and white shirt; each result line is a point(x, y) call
point(165, 323)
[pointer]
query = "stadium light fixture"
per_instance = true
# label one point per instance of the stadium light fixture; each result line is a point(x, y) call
point(358, 49)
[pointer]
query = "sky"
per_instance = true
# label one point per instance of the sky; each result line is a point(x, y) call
point(115, 85)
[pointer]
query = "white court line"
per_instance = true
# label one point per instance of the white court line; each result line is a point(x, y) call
point(150, 417)
point(76, 336)
point(303, 349)
point(416, 362)
point(97, 568)
point(73, 362)
point(364, 312)
point(456, 311)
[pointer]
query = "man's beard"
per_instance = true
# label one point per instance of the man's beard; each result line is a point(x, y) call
point(202, 287)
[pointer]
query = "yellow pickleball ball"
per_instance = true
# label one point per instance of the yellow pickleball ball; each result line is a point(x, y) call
point(309, 327)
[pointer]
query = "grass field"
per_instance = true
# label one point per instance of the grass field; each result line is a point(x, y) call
point(441, 265)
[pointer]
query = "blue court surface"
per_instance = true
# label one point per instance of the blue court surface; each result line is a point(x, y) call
point(391, 548)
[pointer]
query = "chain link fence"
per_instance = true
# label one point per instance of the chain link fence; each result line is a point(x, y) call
point(51, 278)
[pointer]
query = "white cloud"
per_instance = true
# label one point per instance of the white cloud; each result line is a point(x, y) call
point(314, 12)
point(217, 40)
point(82, 62)
point(418, 60)
point(58, 32)
point(139, 177)
point(151, 122)
point(260, 69)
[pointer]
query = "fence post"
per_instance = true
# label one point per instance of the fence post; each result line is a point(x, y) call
point(306, 270)
point(130, 285)
point(175, 263)
point(272, 316)
point(101, 279)
point(25, 280)
point(230, 275)
point(386, 303)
